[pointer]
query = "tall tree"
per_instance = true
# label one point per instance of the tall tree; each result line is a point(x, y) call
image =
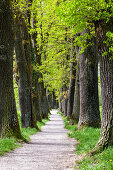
point(72, 80)
point(9, 124)
point(106, 75)
point(23, 59)
point(89, 101)
point(76, 105)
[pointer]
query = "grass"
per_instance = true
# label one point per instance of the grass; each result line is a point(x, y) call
point(26, 132)
point(101, 161)
point(87, 138)
point(8, 144)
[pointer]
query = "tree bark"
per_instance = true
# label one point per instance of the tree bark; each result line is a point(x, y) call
point(76, 105)
point(43, 100)
point(72, 80)
point(36, 101)
point(106, 76)
point(9, 124)
point(64, 99)
point(89, 102)
point(22, 49)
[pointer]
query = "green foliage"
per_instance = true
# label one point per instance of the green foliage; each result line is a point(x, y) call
point(53, 44)
point(82, 12)
point(55, 23)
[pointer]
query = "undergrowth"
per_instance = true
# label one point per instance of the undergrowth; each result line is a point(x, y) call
point(87, 139)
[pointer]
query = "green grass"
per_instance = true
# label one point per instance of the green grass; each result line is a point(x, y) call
point(101, 161)
point(87, 138)
point(8, 144)
point(26, 132)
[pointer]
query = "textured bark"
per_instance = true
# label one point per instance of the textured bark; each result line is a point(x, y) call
point(89, 102)
point(43, 100)
point(36, 102)
point(22, 49)
point(66, 106)
point(72, 80)
point(76, 105)
point(106, 75)
point(9, 124)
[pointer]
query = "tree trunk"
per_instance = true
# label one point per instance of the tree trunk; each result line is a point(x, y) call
point(106, 76)
point(43, 100)
point(89, 102)
point(76, 105)
point(36, 102)
point(72, 80)
point(60, 104)
point(22, 49)
point(64, 99)
point(9, 124)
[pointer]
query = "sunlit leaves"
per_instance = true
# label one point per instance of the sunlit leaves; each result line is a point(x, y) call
point(78, 13)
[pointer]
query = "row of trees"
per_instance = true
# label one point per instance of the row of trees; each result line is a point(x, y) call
point(58, 45)
point(76, 36)
point(18, 52)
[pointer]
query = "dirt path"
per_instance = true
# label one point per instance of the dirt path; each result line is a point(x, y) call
point(49, 149)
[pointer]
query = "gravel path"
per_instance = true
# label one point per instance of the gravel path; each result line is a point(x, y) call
point(49, 149)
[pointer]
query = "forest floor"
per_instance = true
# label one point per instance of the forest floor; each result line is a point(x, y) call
point(50, 149)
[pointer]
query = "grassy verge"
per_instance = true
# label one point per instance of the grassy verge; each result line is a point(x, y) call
point(26, 132)
point(8, 144)
point(87, 138)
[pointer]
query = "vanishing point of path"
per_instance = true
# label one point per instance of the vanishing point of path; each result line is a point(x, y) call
point(49, 149)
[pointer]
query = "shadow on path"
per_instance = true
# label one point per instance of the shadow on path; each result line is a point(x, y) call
point(49, 149)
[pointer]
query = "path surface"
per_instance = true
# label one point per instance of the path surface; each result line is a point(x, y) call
point(49, 149)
